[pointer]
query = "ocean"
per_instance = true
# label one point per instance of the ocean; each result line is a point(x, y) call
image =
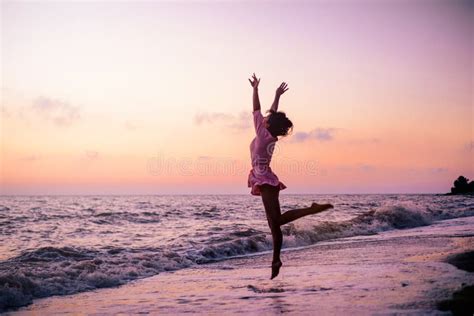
point(58, 245)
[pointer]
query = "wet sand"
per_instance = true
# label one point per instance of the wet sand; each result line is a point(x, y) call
point(462, 301)
point(399, 271)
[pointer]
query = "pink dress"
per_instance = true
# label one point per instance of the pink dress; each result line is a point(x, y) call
point(261, 150)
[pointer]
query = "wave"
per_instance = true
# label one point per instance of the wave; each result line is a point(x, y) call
point(51, 271)
point(132, 217)
point(369, 223)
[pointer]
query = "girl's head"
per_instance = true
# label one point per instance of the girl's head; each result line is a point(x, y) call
point(278, 124)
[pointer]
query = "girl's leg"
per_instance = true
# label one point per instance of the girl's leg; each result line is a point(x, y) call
point(270, 198)
point(272, 209)
point(291, 215)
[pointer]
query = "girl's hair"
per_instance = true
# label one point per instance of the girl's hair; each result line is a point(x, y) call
point(279, 124)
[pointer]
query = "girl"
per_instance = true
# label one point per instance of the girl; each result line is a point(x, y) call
point(261, 178)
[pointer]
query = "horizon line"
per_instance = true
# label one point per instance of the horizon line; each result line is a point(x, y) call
point(224, 194)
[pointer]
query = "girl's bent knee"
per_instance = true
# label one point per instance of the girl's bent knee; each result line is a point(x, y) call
point(275, 226)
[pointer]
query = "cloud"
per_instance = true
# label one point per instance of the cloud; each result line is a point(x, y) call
point(5, 113)
point(366, 167)
point(363, 141)
point(131, 125)
point(209, 118)
point(469, 146)
point(321, 134)
point(360, 167)
point(424, 171)
point(438, 170)
point(57, 111)
point(240, 121)
point(92, 155)
point(30, 158)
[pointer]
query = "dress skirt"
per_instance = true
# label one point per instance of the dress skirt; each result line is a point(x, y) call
point(259, 176)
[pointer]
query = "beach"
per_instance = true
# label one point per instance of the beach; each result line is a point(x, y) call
point(157, 155)
point(398, 271)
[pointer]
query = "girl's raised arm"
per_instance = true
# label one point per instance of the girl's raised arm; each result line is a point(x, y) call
point(280, 90)
point(256, 101)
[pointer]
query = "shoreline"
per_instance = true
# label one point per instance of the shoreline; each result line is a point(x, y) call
point(462, 301)
point(395, 271)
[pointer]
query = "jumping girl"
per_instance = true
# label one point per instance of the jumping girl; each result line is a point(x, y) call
point(261, 178)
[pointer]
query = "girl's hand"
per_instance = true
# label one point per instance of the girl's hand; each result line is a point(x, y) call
point(254, 83)
point(282, 88)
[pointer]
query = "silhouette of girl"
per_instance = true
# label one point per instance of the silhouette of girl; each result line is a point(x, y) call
point(261, 178)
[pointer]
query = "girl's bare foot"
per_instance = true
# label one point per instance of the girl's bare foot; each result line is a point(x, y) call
point(276, 269)
point(321, 207)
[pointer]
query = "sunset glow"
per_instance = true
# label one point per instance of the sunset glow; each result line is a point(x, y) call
point(153, 97)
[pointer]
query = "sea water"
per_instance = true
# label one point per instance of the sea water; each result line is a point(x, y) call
point(56, 245)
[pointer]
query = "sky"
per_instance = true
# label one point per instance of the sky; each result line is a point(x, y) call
point(122, 97)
